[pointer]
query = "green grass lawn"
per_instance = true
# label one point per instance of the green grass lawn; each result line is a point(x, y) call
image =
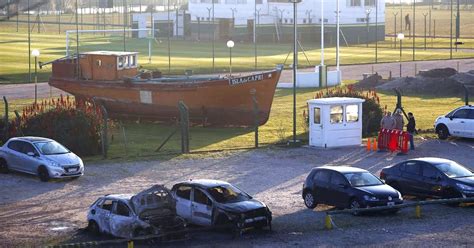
point(144, 138)
point(197, 56)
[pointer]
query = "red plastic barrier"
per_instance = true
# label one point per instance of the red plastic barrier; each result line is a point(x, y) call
point(393, 140)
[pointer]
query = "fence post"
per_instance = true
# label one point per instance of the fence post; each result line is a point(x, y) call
point(256, 116)
point(105, 118)
point(5, 119)
point(328, 222)
point(184, 122)
point(18, 122)
point(124, 139)
point(418, 211)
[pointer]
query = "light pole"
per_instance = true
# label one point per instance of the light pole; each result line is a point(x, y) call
point(400, 37)
point(367, 16)
point(424, 15)
point(294, 142)
point(414, 24)
point(230, 44)
point(395, 27)
point(451, 34)
point(376, 30)
point(36, 54)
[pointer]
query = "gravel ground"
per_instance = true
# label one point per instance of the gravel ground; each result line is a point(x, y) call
point(33, 213)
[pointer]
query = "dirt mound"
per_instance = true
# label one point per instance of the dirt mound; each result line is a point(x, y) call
point(370, 82)
point(438, 73)
point(436, 82)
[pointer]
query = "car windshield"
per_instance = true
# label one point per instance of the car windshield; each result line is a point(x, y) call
point(453, 169)
point(227, 194)
point(51, 148)
point(359, 179)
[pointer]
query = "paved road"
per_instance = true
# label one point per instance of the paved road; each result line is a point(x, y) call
point(349, 72)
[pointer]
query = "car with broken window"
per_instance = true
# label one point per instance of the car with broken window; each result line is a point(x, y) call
point(40, 156)
point(217, 203)
point(150, 212)
point(347, 187)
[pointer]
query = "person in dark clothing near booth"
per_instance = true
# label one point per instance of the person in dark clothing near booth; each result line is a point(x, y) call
point(411, 129)
point(407, 22)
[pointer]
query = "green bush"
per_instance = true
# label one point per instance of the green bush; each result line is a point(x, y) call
point(76, 127)
point(372, 113)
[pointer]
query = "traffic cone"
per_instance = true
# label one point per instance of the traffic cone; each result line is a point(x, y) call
point(375, 145)
point(368, 144)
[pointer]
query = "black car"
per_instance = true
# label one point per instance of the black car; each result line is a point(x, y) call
point(218, 203)
point(430, 177)
point(347, 187)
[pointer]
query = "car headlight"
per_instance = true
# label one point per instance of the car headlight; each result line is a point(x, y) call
point(465, 187)
point(400, 195)
point(370, 198)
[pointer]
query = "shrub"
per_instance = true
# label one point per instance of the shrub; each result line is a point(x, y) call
point(372, 113)
point(75, 125)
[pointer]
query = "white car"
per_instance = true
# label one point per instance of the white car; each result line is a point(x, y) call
point(458, 123)
point(43, 157)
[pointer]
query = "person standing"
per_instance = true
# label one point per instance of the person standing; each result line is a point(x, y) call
point(399, 122)
point(407, 22)
point(411, 129)
point(387, 121)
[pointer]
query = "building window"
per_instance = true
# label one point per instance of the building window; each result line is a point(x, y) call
point(369, 2)
point(336, 114)
point(120, 63)
point(352, 113)
point(133, 61)
point(317, 116)
point(354, 3)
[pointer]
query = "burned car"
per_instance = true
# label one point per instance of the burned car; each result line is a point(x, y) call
point(150, 212)
point(217, 203)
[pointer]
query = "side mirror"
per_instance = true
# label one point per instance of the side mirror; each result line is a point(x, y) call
point(451, 118)
point(343, 185)
point(31, 154)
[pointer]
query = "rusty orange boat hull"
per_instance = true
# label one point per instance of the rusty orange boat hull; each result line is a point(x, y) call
point(222, 102)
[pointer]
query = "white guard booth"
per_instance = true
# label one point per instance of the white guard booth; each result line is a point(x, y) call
point(335, 121)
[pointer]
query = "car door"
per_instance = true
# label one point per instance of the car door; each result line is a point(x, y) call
point(470, 124)
point(201, 208)
point(431, 181)
point(103, 215)
point(457, 123)
point(337, 193)
point(411, 178)
point(29, 158)
point(121, 220)
point(321, 183)
point(183, 201)
point(12, 154)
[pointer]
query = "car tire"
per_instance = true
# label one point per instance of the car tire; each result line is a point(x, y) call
point(309, 200)
point(354, 204)
point(43, 174)
point(3, 166)
point(93, 227)
point(442, 132)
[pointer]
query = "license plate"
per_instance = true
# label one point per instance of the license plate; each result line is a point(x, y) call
point(390, 203)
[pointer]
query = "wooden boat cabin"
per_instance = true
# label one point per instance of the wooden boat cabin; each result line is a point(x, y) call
point(99, 66)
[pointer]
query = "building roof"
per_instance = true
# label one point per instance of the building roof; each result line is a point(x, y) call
point(110, 53)
point(335, 100)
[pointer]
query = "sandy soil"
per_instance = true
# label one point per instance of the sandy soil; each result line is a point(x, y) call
point(36, 213)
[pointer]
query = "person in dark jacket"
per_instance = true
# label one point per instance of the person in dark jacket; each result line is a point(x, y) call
point(411, 129)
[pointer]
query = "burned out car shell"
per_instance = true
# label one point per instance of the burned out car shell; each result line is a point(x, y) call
point(125, 215)
point(196, 204)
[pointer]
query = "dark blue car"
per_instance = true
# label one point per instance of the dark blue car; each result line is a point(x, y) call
point(347, 187)
point(430, 177)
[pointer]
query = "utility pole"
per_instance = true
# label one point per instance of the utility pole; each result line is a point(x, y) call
point(376, 30)
point(414, 24)
point(451, 34)
point(255, 32)
point(395, 29)
point(29, 42)
point(169, 34)
point(458, 24)
point(213, 39)
point(424, 15)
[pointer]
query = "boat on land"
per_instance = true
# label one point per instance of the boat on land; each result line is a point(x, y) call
point(113, 79)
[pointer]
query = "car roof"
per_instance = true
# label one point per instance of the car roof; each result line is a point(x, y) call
point(432, 160)
point(119, 196)
point(31, 139)
point(341, 169)
point(205, 183)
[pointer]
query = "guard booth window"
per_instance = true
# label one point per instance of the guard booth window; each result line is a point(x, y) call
point(317, 116)
point(336, 114)
point(120, 61)
point(352, 113)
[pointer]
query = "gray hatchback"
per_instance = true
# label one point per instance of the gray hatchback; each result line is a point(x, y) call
point(43, 157)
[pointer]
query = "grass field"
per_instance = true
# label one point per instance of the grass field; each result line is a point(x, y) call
point(198, 55)
point(144, 138)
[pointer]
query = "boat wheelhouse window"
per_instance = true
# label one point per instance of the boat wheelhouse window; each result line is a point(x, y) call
point(133, 61)
point(98, 63)
point(120, 62)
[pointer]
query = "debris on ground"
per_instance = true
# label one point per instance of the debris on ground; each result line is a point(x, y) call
point(370, 82)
